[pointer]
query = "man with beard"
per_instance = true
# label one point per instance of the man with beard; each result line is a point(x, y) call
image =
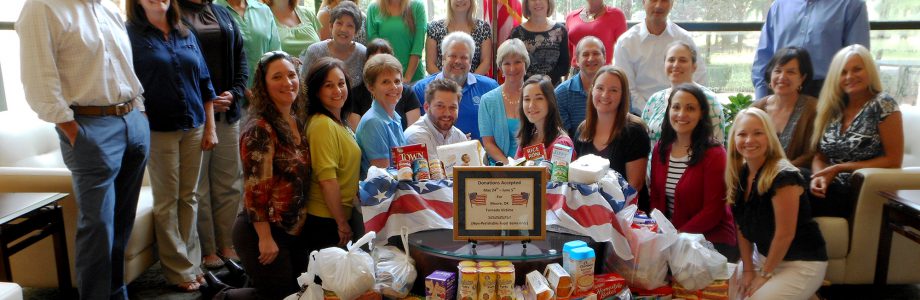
point(457, 49)
point(436, 128)
point(590, 55)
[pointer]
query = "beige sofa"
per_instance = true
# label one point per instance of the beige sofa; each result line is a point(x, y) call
point(30, 161)
point(852, 244)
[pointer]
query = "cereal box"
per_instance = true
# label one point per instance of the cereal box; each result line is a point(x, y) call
point(440, 285)
point(408, 153)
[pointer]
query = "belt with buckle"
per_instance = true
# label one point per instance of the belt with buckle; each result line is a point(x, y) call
point(120, 109)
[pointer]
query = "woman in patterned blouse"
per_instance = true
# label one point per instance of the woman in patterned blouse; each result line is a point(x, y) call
point(276, 170)
point(460, 18)
point(857, 126)
point(546, 41)
point(679, 65)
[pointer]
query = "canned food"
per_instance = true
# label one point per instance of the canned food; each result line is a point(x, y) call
point(469, 284)
point(488, 279)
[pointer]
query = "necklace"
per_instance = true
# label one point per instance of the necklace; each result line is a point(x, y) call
point(588, 16)
point(509, 100)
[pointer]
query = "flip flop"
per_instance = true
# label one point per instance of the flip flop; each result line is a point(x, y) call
point(212, 262)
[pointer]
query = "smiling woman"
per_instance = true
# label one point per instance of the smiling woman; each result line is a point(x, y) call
point(680, 66)
point(332, 147)
point(345, 19)
point(380, 128)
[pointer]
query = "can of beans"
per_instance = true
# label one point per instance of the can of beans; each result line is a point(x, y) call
point(436, 169)
point(404, 171)
point(420, 169)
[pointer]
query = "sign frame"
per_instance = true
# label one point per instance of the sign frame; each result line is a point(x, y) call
point(539, 175)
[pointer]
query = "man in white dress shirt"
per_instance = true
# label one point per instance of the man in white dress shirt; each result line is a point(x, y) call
point(642, 49)
point(436, 127)
point(78, 72)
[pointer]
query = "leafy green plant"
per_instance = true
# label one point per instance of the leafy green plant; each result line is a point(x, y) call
point(735, 104)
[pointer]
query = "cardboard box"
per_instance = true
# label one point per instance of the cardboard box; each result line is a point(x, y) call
point(440, 285)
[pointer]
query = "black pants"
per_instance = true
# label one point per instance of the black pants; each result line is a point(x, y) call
point(277, 279)
point(839, 201)
point(320, 233)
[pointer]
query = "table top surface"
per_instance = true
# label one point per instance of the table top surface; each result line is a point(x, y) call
point(442, 242)
point(910, 198)
point(14, 205)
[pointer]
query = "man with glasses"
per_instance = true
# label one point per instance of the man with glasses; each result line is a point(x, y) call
point(457, 49)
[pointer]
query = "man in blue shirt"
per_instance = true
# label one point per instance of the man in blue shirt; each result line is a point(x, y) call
point(590, 55)
point(821, 26)
point(458, 50)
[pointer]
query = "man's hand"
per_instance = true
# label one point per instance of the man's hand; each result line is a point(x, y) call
point(70, 129)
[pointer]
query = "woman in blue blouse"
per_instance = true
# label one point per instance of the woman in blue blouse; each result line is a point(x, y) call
point(857, 126)
point(178, 100)
point(380, 128)
point(498, 112)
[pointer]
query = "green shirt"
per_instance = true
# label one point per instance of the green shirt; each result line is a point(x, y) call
point(334, 154)
point(294, 40)
point(405, 43)
point(260, 33)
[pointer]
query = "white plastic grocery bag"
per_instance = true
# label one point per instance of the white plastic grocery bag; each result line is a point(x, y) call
point(395, 270)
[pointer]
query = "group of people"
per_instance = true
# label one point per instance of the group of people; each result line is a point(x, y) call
point(257, 158)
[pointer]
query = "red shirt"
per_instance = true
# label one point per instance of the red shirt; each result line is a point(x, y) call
point(699, 197)
point(607, 28)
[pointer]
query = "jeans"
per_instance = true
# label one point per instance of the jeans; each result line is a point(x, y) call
point(107, 163)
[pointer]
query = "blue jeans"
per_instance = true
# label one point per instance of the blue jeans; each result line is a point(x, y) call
point(107, 163)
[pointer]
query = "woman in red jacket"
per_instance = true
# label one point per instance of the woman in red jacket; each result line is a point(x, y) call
point(688, 168)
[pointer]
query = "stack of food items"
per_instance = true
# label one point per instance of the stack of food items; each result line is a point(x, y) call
point(411, 164)
point(483, 280)
point(557, 165)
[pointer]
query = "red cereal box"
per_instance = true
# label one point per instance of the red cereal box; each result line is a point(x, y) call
point(408, 153)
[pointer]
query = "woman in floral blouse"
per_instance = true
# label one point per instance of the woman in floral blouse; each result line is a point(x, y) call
point(276, 168)
point(546, 41)
point(679, 65)
point(857, 126)
point(460, 18)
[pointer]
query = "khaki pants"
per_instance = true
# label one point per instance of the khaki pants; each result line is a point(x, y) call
point(175, 160)
point(220, 189)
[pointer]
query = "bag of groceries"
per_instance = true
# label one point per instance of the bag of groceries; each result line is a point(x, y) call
point(648, 237)
point(694, 261)
point(395, 269)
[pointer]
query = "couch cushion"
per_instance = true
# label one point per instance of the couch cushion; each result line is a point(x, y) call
point(142, 236)
point(911, 117)
point(836, 232)
point(28, 142)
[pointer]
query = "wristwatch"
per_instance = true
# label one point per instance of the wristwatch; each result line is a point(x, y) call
point(765, 275)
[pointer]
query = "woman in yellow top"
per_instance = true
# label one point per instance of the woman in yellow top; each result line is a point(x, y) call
point(333, 151)
point(298, 27)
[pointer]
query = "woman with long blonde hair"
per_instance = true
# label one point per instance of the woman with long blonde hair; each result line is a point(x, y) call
point(460, 18)
point(776, 233)
point(857, 126)
point(403, 24)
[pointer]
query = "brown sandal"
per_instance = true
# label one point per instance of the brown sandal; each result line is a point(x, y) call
point(189, 286)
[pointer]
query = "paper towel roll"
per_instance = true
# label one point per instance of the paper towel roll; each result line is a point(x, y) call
point(588, 169)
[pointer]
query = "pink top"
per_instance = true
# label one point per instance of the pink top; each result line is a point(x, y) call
point(561, 140)
point(607, 28)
